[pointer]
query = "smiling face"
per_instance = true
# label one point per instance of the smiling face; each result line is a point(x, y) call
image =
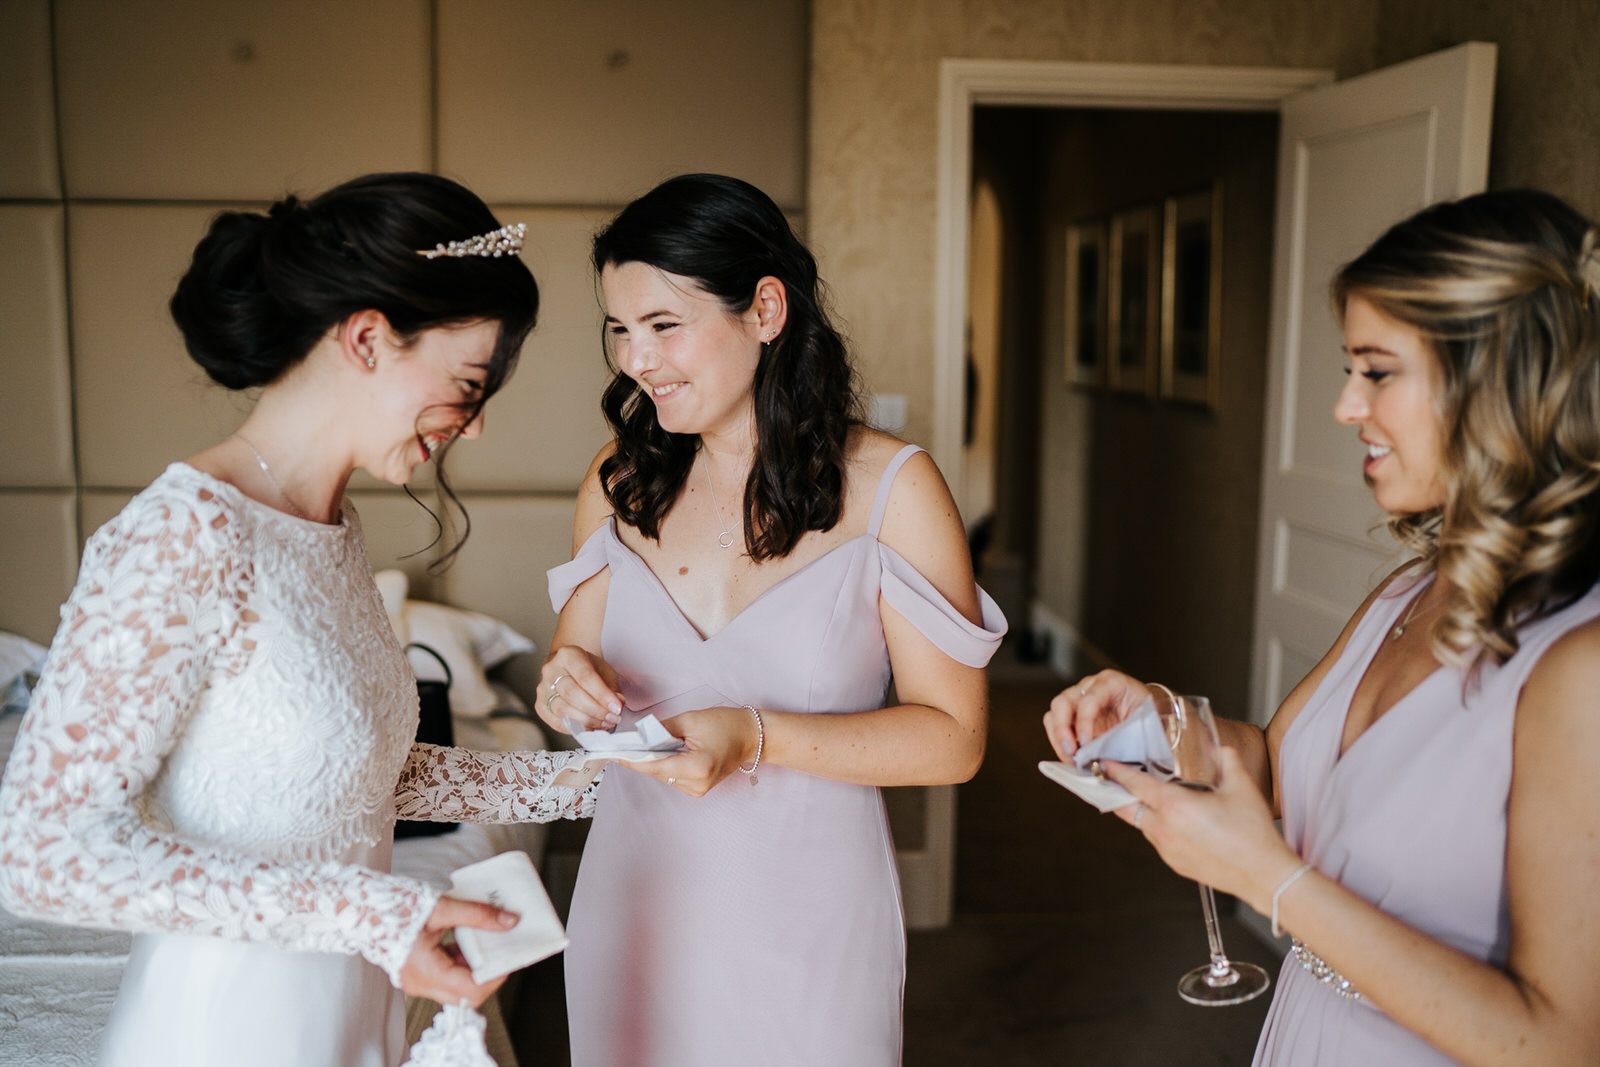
point(692, 357)
point(1392, 398)
point(424, 385)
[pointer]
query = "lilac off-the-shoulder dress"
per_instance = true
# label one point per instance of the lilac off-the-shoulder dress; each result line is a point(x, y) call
point(751, 925)
point(1411, 817)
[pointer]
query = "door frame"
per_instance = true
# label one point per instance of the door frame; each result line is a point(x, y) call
point(928, 874)
point(965, 84)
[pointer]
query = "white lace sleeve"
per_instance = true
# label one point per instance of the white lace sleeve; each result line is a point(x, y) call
point(463, 785)
point(161, 606)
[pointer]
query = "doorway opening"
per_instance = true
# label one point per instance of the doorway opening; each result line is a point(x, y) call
point(1112, 500)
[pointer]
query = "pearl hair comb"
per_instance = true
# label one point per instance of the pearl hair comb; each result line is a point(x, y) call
point(507, 240)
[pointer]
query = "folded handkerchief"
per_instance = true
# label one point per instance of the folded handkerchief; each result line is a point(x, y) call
point(1103, 793)
point(1139, 739)
point(647, 735)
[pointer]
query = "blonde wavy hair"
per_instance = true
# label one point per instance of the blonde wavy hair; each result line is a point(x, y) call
point(1506, 288)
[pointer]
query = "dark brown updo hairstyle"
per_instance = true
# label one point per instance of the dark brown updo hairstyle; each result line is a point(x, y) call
point(726, 235)
point(263, 289)
point(1505, 287)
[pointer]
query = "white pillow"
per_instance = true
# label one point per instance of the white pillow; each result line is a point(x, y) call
point(470, 643)
point(393, 585)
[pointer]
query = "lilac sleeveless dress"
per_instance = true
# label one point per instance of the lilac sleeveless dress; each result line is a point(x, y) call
point(752, 925)
point(1412, 818)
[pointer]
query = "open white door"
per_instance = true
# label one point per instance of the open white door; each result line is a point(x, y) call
point(1354, 158)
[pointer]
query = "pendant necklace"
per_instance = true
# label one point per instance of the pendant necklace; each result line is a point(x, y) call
point(726, 538)
point(268, 472)
point(1405, 620)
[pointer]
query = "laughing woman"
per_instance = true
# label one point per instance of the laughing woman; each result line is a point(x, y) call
point(223, 730)
point(751, 565)
point(1440, 857)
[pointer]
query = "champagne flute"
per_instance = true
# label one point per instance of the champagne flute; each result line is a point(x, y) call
point(1192, 732)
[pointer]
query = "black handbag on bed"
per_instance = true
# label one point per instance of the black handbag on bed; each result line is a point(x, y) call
point(434, 727)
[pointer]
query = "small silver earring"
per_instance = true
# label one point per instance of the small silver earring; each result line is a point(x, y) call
point(372, 364)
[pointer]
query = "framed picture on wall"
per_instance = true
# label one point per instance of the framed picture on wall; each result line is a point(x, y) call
point(1191, 297)
point(1134, 292)
point(1086, 303)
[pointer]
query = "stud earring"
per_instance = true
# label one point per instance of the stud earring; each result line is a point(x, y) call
point(372, 364)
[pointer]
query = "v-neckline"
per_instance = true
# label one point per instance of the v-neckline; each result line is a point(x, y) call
point(1341, 751)
point(702, 638)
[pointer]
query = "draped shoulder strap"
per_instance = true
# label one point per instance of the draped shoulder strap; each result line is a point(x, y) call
point(881, 504)
point(591, 559)
point(913, 596)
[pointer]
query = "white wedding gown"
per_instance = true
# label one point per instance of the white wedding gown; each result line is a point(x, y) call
point(214, 759)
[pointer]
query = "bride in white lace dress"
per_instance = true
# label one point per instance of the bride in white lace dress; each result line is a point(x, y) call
point(221, 738)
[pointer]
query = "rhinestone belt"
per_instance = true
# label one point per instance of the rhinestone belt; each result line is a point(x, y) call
point(1318, 969)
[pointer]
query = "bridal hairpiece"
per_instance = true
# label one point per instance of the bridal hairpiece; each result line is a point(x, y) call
point(507, 240)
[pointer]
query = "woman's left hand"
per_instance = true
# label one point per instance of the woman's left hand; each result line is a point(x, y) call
point(1224, 838)
point(716, 741)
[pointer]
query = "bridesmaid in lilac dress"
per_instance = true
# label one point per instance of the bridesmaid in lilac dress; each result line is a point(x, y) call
point(751, 565)
point(1440, 857)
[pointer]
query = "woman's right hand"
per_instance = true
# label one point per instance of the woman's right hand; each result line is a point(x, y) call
point(1089, 708)
point(575, 684)
point(438, 971)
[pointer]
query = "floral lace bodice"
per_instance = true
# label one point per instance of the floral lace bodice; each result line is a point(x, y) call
point(224, 722)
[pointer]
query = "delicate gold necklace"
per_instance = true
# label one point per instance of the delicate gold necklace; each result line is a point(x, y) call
point(268, 472)
point(725, 540)
point(1405, 620)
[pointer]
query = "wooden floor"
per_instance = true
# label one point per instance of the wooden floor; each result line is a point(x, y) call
point(1068, 941)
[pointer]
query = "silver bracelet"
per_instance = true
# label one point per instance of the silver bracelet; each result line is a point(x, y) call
point(761, 740)
point(1277, 894)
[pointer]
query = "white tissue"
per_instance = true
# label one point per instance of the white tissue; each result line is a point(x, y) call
point(647, 740)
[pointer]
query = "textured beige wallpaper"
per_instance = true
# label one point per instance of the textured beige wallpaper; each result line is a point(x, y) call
point(874, 127)
point(1547, 91)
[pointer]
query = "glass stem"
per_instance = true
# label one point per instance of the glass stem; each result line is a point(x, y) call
point(1222, 972)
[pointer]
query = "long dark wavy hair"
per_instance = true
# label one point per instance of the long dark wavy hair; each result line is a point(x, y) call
point(1505, 287)
point(263, 288)
point(726, 235)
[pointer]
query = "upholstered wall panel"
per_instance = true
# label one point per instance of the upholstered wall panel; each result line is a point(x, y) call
point(398, 533)
point(227, 99)
point(593, 103)
point(27, 104)
point(544, 427)
point(35, 397)
point(142, 402)
point(39, 532)
point(501, 570)
point(99, 507)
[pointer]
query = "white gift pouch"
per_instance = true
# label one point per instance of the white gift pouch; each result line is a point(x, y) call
point(507, 881)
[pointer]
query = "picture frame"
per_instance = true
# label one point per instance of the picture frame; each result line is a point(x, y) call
point(1134, 300)
point(1085, 332)
point(1191, 298)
